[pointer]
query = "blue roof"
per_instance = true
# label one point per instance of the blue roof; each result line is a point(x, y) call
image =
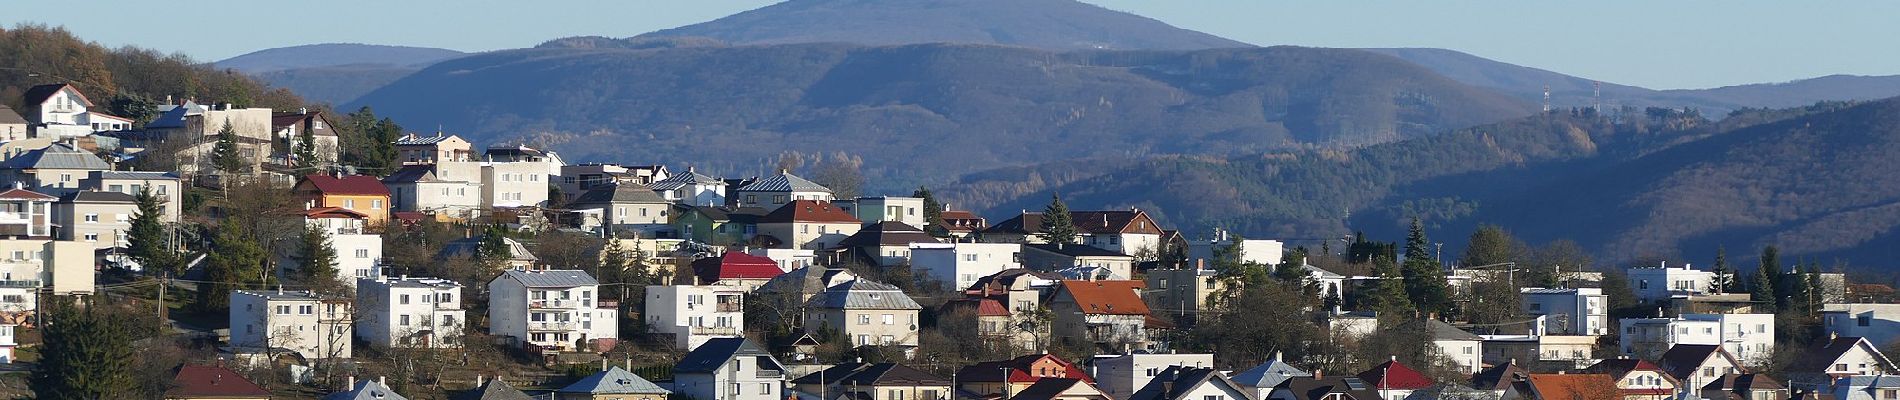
point(1269, 374)
point(708, 357)
point(614, 381)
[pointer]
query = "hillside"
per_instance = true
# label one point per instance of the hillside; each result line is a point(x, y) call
point(127, 81)
point(926, 113)
point(1043, 24)
point(335, 54)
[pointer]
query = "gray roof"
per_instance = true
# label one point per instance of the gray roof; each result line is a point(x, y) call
point(1444, 331)
point(414, 140)
point(1859, 382)
point(614, 381)
point(494, 389)
point(278, 295)
point(688, 178)
point(1269, 374)
point(785, 182)
point(366, 389)
point(57, 156)
point(98, 197)
point(412, 173)
point(620, 193)
point(138, 175)
point(466, 247)
point(863, 294)
point(7, 116)
point(552, 278)
point(710, 356)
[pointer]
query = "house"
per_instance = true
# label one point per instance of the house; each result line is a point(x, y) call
point(1060, 389)
point(1839, 357)
point(1187, 291)
point(881, 381)
point(1745, 387)
point(692, 188)
point(418, 149)
point(492, 389)
point(1191, 383)
point(962, 225)
point(213, 382)
point(1122, 375)
point(1107, 313)
point(885, 243)
point(1123, 232)
point(359, 252)
point(1543, 352)
point(1749, 337)
point(1879, 323)
point(612, 384)
point(25, 213)
point(12, 125)
point(776, 191)
point(1004, 301)
point(1867, 387)
point(101, 219)
point(1319, 387)
point(905, 210)
point(959, 265)
point(361, 193)
point(995, 323)
point(416, 188)
point(1498, 378)
point(866, 313)
point(1395, 381)
point(55, 169)
point(554, 310)
point(729, 369)
point(1563, 387)
point(511, 176)
point(1012, 376)
point(1261, 379)
point(1637, 379)
point(809, 225)
point(717, 225)
point(626, 207)
point(695, 314)
point(269, 322)
point(366, 390)
point(1052, 257)
point(1568, 311)
point(580, 178)
point(1463, 349)
point(518, 256)
point(1660, 282)
point(164, 185)
point(289, 128)
point(1263, 252)
point(1695, 365)
point(60, 110)
point(64, 266)
point(735, 269)
point(410, 312)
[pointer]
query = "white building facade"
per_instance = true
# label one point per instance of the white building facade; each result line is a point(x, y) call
point(1663, 281)
point(410, 312)
point(551, 309)
point(961, 264)
point(1121, 375)
point(1578, 311)
point(1750, 337)
point(300, 322)
point(694, 314)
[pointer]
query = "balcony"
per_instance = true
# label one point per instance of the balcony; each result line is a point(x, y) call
point(715, 330)
point(552, 326)
point(561, 304)
point(729, 307)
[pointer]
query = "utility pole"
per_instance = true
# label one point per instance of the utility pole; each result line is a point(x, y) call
point(162, 283)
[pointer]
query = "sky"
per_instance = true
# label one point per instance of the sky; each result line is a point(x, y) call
point(1655, 44)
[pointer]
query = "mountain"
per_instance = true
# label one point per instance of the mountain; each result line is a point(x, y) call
point(1812, 180)
point(1043, 24)
point(1571, 91)
point(335, 54)
point(926, 113)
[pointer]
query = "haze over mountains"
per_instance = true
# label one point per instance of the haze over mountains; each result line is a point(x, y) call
point(335, 72)
point(1042, 24)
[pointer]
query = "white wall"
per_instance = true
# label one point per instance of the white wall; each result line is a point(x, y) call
point(961, 264)
point(1121, 375)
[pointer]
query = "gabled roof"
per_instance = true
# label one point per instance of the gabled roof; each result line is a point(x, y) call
point(557, 278)
point(38, 94)
point(784, 182)
point(57, 156)
point(1743, 383)
point(366, 390)
point(1106, 297)
point(1019, 370)
point(1620, 368)
point(350, 185)
point(9, 117)
point(710, 356)
point(1574, 386)
point(202, 381)
point(23, 194)
point(614, 381)
point(1395, 375)
point(1048, 389)
point(90, 196)
point(1444, 331)
point(1090, 222)
point(619, 193)
point(691, 177)
point(809, 211)
point(1270, 373)
point(1824, 355)
point(333, 212)
point(981, 306)
point(887, 233)
point(418, 140)
point(493, 389)
point(1499, 377)
point(1175, 382)
point(412, 173)
point(467, 247)
point(1682, 360)
point(880, 374)
point(1310, 388)
point(864, 294)
point(1002, 280)
point(735, 265)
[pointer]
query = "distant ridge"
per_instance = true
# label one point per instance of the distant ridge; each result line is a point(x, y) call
point(335, 54)
point(1043, 24)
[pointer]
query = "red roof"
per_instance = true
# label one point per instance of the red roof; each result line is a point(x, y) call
point(809, 211)
point(353, 185)
point(333, 212)
point(1020, 370)
point(1393, 375)
point(1574, 386)
point(23, 194)
point(1107, 297)
point(983, 307)
point(959, 215)
point(735, 265)
point(212, 381)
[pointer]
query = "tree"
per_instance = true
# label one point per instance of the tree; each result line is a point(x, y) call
point(1489, 245)
point(933, 210)
point(1548, 263)
point(1388, 295)
point(1417, 246)
point(317, 257)
point(840, 173)
point(1724, 280)
point(225, 154)
point(88, 354)
point(1762, 287)
point(146, 240)
point(236, 262)
point(1057, 225)
point(1424, 278)
point(369, 143)
point(1493, 300)
point(1254, 335)
point(133, 106)
point(306, 150)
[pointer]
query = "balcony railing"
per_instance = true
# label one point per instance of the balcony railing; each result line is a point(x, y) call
point(551, 326)
point(715, 330)
point(555, 303)
point(730, 307)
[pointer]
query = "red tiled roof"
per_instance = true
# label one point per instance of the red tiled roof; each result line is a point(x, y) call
point(23, 194)
point(1574, 386)
point(809, 211)
point(1394, 375)
point(983, 307)
point(212, 381)
point(333, 212)
point(949, 215)
point(353, 185)
point(1019, 370)
point(735, 265)
point(1107, 297)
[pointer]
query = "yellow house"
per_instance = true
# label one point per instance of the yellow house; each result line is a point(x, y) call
point(360, 193)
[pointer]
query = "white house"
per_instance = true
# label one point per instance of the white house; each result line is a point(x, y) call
point(511, 176)
point(1879, 323)
point(552, 309)
point(1839, 357)
point(1190, 383)
point(694, 314)
point(1663, 281)
point(1463, 349)
point(410, 312)
point(417, 188)
point(1575, 311)
point(358, 252)
point(773, 192)
point(163, 185)
point(1259, 251)
point(908, 210)
point(1121, 375)
point(959, 265)
point(54, 170)
point(692, 188)
point(730, 369)
point(1054, 257)
point(60, 110)
point(626, 207)
point(808, 224)
point(301, 322)
point(1749, 337)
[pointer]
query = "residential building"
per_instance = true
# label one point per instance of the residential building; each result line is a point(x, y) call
point(1637, 379)
point(18, 302)
point(1107, 313)
point(1879, 323)
point(1695, 365)
point(716, 225)
point(1866, 387)
point(1745, 386)
point(366, 390)
point(65, 266)
point(1544, 352)
point(60, 110)
point(313, 327)
point(12, 125)
point(777, 191)
point(1839, 357)
point(959, 265)
point(906, 210)
point(1662, 281)
point(552, 310)
point(26, 213)
point(734, 269)
point(359, 252)
point(1750, 337)
point(580, 178)
point(1261, 379)
point(729, 369)
point(692, 188)
point(1015, 375)
point(809, 225)
point(511, 176)
point(289, 128)
point(1463, 349)
point(885, 243)
point(866, 313)
point(1191, 383)
point(518, 256)
point(695, 314)
point(962, 225)
point(1061, 389)
point(612, 384)
point(101, 219)
point(54, 170)
point(417, 149)
point(1317, 387)
point(1051, 257)
point(164, 185)
point(1120, 376)
point(1183, 292)
point(881, 381)
point(626, 207)
point(1395, 381)
point(213, 382)
point(361, 193)
point(1563, 387)
point(1124, 232)
point(1498, 378)
point(1572, 311)
point(410, 312)
point(996, 324)
point(417, 188)
point(1258, 251)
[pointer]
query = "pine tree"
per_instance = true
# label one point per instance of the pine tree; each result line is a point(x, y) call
point(317, 256)
point(613, 262)
point(1426, 287)
point(306, 149)
point(225, 154)
point(1762, 286)
point(1417, 246)
point(237, 262)
point(1388, 296)
point(1800, 298)
point(88, 354)
point(933, 210)
point(1724, 275)
point(1775, 282)
point(146, 240)
point(1057, 225)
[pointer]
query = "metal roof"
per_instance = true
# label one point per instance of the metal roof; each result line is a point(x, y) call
point(681, 180)
point(619, 193)
point(97, 197)
point(466, 247)
point(714, 353)
point(416, 140)
point(1270, 373)
point(862, 294)
point(8, 116)
point(57, 156)
point(366, 390)
point(614, 381)
point(552, 278)
point(785, 182)
point(138, 175)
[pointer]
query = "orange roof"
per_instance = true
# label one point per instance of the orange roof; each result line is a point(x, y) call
point(809, 211)
point(333, 212)
point(1574, 386)
point(1107, 297)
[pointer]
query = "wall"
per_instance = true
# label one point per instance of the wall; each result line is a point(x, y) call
point(952, 263)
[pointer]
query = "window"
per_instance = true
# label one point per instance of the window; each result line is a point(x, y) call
point(362, 253)
point(116, 188)
point(889, 319)
point(864, 319)
point(92, 237)
point(1210, 397)
point(448, 320)
point(445, 297)
point(306, 310)
point(887, 340)
point(283, 310)
point(969, 257)
point(376, 204)
point(1642, 284)
point(92, 217)
point(1840, 367)
point(1863, 320)
point(864, 340)
point(402, 299)
point(405, 320)
point(349, 203)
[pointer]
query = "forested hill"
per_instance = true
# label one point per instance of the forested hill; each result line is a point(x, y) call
point(1660, 183)
point(128, 81)
point(1043, 24)
point(927, 113)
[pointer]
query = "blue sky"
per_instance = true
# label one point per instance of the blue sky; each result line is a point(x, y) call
point(1657, 44)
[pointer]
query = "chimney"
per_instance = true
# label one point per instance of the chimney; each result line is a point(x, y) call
point(1200, 264)
point(382, 381)
point(1318, 375)
point(303, 110)
point(479, 381)
point(351, 384)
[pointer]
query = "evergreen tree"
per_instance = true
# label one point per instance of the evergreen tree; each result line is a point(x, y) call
point(1762, 289)
point(317, 256)
point(306, 149)
point(146, 240)
point(1489, 245)
point(613, 262)
point(1417, 246)
point(1057, 225)
point(225, 153)
point(1799, 295)
point(1724, 275)
point(88, 354)
point(933, 210)
point(494, 245)
point(1771, 269)
point(1426, 286)
point(236, 262)
point(1388, 296)
point(369, 143)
